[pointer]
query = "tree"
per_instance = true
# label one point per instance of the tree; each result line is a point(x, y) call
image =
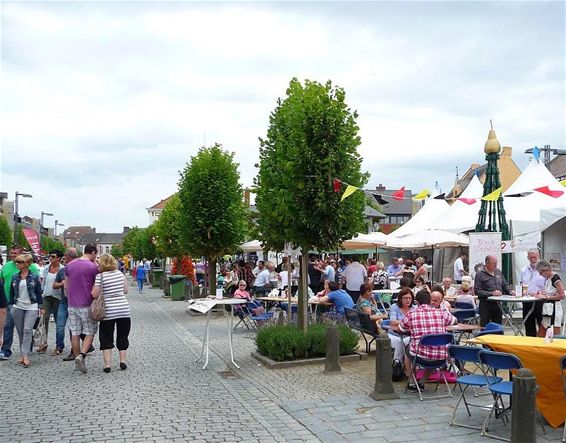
point(128, 242)
point(148, 240)
point(213, 216)
point(311, 140)
point(50, 244)
point(168, 230)
point(116, 251)
point(5, 232)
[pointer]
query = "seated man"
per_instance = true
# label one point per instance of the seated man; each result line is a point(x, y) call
point(338, 297)
point(437, 299)
point(262, 284)
point(421, 321)
point(447, 287)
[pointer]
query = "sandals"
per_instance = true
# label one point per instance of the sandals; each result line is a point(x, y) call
point(26, 363)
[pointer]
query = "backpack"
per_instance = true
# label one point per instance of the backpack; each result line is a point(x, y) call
point(397, 373)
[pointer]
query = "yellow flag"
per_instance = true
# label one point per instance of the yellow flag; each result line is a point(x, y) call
point(422, 195)
point(493, 196)
point(349, 191)
point(563, 182)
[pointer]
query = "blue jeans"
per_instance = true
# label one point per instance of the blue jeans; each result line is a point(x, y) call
point(8, 334)
point(62, 315)
point(140, 285)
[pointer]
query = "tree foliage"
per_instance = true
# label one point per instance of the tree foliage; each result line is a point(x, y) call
point(5, 232)
point(116, 251)
point(49, 244)
point(312, 139)
point(168, 231)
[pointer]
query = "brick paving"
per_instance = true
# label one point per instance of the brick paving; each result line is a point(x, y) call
point(165, 396)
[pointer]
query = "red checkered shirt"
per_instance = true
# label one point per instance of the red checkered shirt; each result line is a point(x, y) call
point(423, 321)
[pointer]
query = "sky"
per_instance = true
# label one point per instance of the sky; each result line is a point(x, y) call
point(103, 103)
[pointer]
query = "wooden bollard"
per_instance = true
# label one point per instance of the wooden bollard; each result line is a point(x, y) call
point(332, 362)
point(383, 369)
point(523, 409)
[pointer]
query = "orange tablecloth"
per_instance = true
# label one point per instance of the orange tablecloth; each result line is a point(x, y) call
point(541, 358)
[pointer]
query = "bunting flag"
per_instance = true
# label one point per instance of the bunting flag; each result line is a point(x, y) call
point(422, 195)
point(468, 201)
point(349, 191)
point(563, 183)
point(398, 195)
point(520, 194)
point(493, 196)
point(337, 185)
point(536, 153)
point(379, 199)
point(440, 197)
point(547, 191)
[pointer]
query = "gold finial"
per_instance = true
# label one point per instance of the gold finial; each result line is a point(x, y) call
point(492, 145)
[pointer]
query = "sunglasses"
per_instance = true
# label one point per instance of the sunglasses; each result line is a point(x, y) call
point(20, 262)
point(53, 256)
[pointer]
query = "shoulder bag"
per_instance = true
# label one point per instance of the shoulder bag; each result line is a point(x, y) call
point(40, 335)
point(97, 309)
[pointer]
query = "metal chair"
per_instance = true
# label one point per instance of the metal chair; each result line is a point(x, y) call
point(563, 370)
point(463, 355)
point(491, 328)
point(431, 340)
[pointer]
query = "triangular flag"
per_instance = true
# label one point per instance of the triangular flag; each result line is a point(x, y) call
point(380, 200)
point(349, 191)
point(398, 195)
point(422, 195)
point(547, 191)
point(493, 196)
point(440, 196)
point(536, 153)
point(468, 201)
point(521, 194)
point(337, 185)
point(563, 182)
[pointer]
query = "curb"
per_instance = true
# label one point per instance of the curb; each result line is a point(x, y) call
point(272, 364)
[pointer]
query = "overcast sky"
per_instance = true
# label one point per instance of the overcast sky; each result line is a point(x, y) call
point(103, 103)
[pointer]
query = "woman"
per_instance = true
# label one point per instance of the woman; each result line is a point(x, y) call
point(26, 304)
point(420, 284)
point(367, 304)
point(380, 278)
point(140, 277)
point(111, 284)
point(241, 292)
point(405, 303)
point(466, 293)
point(422, 270)
point(552, 295)
point(325, 291)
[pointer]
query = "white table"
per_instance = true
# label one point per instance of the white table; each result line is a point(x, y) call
point(229, 321)
point(509, 315)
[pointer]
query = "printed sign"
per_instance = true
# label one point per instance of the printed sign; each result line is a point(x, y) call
point(483, 244)
point(33, 239)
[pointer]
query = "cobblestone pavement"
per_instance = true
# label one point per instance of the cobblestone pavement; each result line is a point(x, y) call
point(165, 396)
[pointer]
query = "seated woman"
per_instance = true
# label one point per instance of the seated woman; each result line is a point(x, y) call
point(420, 284)
point(241, 292)
point(325, 291)
point(466, 293)
point(380, 277)
point(398, 311)
point(367, 304)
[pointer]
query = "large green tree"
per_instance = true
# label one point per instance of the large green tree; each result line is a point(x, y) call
point(312, 139)
point(5, 232)
point(213, 218)
point(168, 230)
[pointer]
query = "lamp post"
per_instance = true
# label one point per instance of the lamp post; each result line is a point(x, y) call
point(57, 224)
point(16, 215)
point(43, 214)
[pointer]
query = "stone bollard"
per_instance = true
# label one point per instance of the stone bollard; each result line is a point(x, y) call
point(383, 369)
point(332, 363)
point(523, 409)
point(280, 317)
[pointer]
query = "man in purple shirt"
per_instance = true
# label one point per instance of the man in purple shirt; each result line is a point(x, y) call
point(79, 280)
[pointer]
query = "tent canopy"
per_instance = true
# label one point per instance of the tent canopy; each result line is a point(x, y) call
point(429, 238)
point(366, 241)
point(431, 210)
point(251, 246)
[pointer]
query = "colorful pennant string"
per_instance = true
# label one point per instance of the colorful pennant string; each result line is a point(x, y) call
point(492, 196)
point(547, 191)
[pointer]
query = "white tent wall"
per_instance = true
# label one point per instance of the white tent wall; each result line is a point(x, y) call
point(423, 219)
point(554, 241)
point(444, 263)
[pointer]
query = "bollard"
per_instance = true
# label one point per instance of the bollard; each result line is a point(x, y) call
point(332, 363)
point(280, 317)
point(383, 369)
point(523, 409)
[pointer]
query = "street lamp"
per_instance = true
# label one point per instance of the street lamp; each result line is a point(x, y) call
point(57, 224)
point(16, 216)
point(43, 214)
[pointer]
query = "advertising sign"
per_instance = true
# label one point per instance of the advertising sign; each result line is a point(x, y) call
point(483, 244)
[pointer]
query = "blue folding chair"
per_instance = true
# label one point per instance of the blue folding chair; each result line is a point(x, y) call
point(491, 328)
point(463, 355)
point(431, 340)
point(465, 315)
point(563, 370)
point(464, 305)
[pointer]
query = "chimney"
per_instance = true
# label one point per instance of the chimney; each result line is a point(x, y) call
point(380, 187)
point(125, 230)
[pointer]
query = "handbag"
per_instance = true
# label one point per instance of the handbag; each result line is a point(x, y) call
point(97, 309)
point(40, 335)
point(397, 372)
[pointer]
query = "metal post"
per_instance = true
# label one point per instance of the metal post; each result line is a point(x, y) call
point(383, 369)
point(332, 363)
point(523, 409)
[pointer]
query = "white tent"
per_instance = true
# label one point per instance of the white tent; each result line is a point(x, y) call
point(430, 238)
point(366, 241)
point(251, 246)
point(431, 210)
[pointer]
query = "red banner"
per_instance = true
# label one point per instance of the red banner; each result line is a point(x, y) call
point(33, 239)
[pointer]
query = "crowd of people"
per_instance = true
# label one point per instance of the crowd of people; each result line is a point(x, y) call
point(64, 289)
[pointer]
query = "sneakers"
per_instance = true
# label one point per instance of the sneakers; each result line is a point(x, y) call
point(4, 356)
point(80, 363)
point(413, 388)
point(69, 357)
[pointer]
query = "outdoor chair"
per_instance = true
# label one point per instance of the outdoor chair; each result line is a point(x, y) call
point(362, 323)
point(491, 328)
point(242, 313)
point(435, 340)
point(464, 305)
point(463, 355)
point(468, 316)
point(563, 370)
point(255, 320)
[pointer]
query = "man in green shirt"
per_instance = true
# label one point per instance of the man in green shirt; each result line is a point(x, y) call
point(8, 271)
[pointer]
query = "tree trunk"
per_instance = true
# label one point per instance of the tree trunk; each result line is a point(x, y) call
point(302, 309)
point(212, 276)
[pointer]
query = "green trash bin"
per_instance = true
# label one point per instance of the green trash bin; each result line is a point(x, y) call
point(156, 275)
point(177, 287)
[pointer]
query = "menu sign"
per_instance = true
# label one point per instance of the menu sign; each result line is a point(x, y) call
point(483, 244)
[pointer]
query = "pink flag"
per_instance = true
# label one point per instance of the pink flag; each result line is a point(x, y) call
point(468, 201)
point(398, 195)
point(547, 191)
point(33, 239)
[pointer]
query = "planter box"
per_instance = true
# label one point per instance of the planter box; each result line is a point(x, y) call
point(272, 364)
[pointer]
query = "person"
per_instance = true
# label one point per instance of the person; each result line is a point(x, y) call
point(459, 270)
point(79, 280)
point(367, 304)
point(371, 266)
point(25, 303)
point(489, 282)
point(422, 270)
point(200, 272)
point(437, 299)
point(552, 295)
point(261, 283)
point(328, 273)
point(419, 284)
point(447, 288)
point(8, 271)
point(379, 277)
point(405, 303)
point(111, 284)
point(465, 293)
point(259, 268)
point(241, 291)
point(424, 320)
point(315, 274)
point(325, 290)
point(534, 282)
point(338, 297)
point(395, 269)
point(140, 277)
point(354, 275)
point(51, 297)
point(147, 269)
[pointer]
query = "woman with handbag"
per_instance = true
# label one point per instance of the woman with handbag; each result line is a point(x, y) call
point(111, 284)
point(26, 304)
point(552, 295)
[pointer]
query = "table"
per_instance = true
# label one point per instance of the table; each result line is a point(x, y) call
point(229, 321)
point(500, 299)
point(541, 358)
point(463, 328)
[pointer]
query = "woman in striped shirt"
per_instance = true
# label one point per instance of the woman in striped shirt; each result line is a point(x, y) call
point(111, 284)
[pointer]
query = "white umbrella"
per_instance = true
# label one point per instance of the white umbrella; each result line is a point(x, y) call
point(251, 246)
point(366, 241)
point(434, 238)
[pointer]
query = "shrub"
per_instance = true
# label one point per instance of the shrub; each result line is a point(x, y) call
point(287, 342)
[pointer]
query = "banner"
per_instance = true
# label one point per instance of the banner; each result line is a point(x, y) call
point(33, 239)
point(483, 244)
point(522, 243)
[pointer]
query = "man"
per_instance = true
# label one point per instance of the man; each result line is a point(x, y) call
point(147, 268)
point(259, 267)
point(534, 282)
point(354, 275)
point(447, 288)
point(6, 321)
point(338, 297)
point(79, 280)
point(51, 296)
point(63, 312)
point(328, 274)
point(459, 270)
point(490, 282)
point(261, 284)
point(424, 320)
point(395, 268)
point(315, 273)
point(437, 299)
